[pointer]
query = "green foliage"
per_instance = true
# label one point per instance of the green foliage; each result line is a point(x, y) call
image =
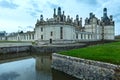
point(109, 52)
point(34, 43)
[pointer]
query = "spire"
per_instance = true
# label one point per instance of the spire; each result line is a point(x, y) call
point(41, 17)
point(77, 17)
point(105, 12)
point(80, 22)
point(54, 13)
point(59, 11)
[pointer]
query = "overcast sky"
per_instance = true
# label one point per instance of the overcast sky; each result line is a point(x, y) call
point(18, 15)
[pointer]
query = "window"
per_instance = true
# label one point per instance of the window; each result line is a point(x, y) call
point(76, 36)
point(51, 33)
point(88, 36)
point(61, 32)
point(42, 37)
point(32, 36)
point(81, 36)
point(41, 29)
point(29, 36)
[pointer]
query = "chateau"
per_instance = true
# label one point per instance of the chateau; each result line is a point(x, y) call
point(65, 29)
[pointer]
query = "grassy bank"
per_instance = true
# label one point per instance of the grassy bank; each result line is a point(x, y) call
point(15, 41)
point(109, 52)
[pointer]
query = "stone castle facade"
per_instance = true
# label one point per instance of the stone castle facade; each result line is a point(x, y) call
point(65, 29)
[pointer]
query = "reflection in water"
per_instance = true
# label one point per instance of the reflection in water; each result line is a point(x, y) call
point(9, 76)
point(43, 69)
point(21, 70)
point(37, 68)
point(43, 63)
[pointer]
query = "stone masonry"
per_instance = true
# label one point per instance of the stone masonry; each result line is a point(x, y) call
point(85, 69)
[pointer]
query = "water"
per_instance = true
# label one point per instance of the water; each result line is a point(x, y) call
point(34, 68)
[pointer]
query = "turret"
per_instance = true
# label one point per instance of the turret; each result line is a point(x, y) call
point(105, 12)
point(111, 17)
point(91, 15)
point(111, 20)
point(59, 11)
point(105, 19)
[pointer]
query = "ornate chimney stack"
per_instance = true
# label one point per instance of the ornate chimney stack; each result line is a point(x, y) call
point(54, 15)
point(63, 16)
point(63, 13)
point(80, 22)
point(111, 17)
point(77, 18)
point(86, 21)
point(68, 18)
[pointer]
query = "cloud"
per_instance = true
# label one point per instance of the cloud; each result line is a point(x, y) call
point(89, 2)
point(25, 28)
point(8, 4)
point(117, 17)
point(30, 27)
point(52, 5)
point(34, 9)
point(33, 12)
point(20, 27)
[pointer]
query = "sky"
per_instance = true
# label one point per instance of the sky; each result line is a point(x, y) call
point(17, 15)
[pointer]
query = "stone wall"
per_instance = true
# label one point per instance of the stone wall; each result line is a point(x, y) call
point(50, 48)
point(85, 69)
point(14, 49)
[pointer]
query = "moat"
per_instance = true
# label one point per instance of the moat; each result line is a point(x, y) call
point(37, 67)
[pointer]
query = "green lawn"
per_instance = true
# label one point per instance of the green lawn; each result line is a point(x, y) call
point(109, 52)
